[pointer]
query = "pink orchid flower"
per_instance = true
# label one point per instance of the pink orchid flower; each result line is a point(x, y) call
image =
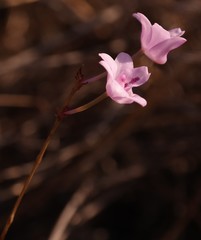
point(157, 42)
point(122, 77)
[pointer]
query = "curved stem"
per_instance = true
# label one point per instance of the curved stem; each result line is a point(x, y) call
point(29, 178)
point(39, 158)
point(93, 79)
point(138, 54)
point(87, 105)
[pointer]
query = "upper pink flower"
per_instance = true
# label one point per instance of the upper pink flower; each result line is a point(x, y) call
point(122, 77)
point(156, 42)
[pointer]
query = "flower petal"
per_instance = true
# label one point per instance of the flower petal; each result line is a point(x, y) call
point(117, 92)
point(158, 34)
point(139, 100)
point(159, 52)
point(123, 61)
point(142, 74)
point(176, 32)
point(146, 28)
point(108, 63)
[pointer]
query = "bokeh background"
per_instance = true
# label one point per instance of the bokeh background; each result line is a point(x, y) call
point(113, 172)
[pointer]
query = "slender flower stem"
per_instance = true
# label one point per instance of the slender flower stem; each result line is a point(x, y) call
point(87, 105)
point(138, 54)
point(29, 178)
point(93, 79)
point(37, 162)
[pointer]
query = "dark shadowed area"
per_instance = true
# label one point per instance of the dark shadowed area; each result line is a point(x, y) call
point(113, 172)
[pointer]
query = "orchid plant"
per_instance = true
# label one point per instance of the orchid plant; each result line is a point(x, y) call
point(122, 78)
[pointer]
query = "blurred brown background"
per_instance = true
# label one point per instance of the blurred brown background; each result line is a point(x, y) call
point(113, 172)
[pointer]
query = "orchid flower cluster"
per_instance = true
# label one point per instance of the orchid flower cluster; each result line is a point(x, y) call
point(122, 76)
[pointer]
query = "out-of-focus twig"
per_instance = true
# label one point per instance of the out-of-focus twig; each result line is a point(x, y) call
point(70, 210)
point(14, 3)
point(22, 101)
point(79, 207)
point(81, 8)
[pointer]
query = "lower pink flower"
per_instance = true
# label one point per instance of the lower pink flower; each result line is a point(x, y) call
point(122, 77)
